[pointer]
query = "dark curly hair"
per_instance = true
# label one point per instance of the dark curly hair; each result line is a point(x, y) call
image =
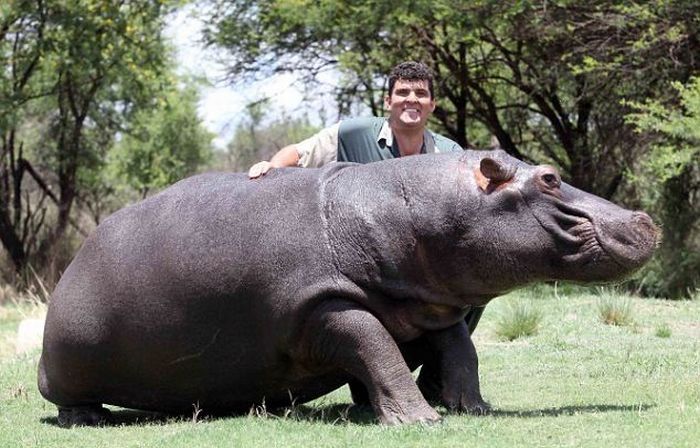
point(411, 71)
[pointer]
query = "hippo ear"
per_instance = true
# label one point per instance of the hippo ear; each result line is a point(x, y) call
point(496, 171)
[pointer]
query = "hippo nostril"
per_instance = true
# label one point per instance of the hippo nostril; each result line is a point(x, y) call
point(644, 227)
point(643, 219)
point(630, 239)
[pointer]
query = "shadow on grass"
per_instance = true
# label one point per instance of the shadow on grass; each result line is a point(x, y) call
point(570, 410)
point(338, 414)
point(130, 417)
point(329, 414)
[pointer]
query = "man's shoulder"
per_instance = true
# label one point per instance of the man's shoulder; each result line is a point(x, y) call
point(362, 124)
point(444, 144)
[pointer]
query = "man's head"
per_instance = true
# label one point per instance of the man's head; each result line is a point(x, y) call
point(410, 100)
point(411, 71)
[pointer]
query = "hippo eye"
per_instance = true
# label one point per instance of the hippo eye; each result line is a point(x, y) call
point(551, 180)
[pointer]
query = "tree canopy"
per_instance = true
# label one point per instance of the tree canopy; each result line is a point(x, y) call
point(259, 136)
point(91, 111)
point(552, 81)
point(165, 144)
point(545, 78)
point(669, 179)
point(75, 73)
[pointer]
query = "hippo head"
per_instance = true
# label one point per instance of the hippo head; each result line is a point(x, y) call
point(558, 231)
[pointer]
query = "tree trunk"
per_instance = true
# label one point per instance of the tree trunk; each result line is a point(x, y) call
point(12, 243)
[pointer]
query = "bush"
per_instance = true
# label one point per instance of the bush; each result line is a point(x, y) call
point(614, 308)
point(668, 180)
point(520, 318)
point(663, 331)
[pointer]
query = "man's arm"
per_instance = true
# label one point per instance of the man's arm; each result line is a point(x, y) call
point(316, 151)
point(287, 156)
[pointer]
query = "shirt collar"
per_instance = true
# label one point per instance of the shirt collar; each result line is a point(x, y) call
point(387, 136)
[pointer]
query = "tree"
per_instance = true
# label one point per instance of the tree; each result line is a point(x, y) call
point(553, 81)
point(21, 35)
point(77, 69)
point(257, 138)
point(545, 78)
point(164, 144)
point(669, 177)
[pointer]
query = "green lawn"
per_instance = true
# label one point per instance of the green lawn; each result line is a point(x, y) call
point(577, 382)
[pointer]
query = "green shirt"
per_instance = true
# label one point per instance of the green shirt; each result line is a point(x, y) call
point(362, 140)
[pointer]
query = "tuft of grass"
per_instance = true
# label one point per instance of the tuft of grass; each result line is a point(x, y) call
point(520, 318)
point(615, 308)
point(663, 331)
point(333, 413)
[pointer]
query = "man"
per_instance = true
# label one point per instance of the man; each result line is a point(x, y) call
point(410, 103)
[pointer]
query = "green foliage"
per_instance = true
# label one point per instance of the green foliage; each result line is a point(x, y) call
point(74, 72)
point(679, 126)
point(164, 144)
point(663, 331)
point(520, 318)
point(669, 181)
point(257, 138)
point(545, 79)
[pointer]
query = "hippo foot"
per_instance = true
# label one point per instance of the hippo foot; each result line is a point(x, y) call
point(392, 415)
point(473, 407)
point(94, 415)
point(454, 403)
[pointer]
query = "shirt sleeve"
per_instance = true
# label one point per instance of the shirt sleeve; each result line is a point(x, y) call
point(319, 149)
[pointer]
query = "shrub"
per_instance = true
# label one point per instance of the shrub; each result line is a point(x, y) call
point(520, 318)
point(663, 331)
point(614, 308)
point(668, 178)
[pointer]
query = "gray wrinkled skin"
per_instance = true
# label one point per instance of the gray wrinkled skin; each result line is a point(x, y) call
point(227, 292)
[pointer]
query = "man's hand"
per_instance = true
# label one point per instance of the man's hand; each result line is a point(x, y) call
point(259, 169)
point(285, 157)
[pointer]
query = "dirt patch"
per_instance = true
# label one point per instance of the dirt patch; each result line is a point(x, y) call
point(29, 335)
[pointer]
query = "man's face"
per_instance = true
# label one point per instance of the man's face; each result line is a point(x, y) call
point(410, 103)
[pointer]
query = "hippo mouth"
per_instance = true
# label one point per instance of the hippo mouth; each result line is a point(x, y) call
point(584, 237)
point(578, 233)
point(628, 241)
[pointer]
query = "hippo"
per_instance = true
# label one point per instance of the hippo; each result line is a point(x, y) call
point(224, 293)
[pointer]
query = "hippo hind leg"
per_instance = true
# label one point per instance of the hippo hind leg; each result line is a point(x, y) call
point(90, 415)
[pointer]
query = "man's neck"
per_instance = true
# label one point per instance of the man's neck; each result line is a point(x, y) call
point(410, 141)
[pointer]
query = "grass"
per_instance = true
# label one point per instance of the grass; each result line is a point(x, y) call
point(615, 308)
point(519, 319)
point(663, 331)
point(576, 382)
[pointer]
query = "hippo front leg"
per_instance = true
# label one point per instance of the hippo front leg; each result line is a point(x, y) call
point(344, 335)
point(451, 373)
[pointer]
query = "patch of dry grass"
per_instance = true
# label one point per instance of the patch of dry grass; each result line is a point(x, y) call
point(615, 308)
point(15, 307)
